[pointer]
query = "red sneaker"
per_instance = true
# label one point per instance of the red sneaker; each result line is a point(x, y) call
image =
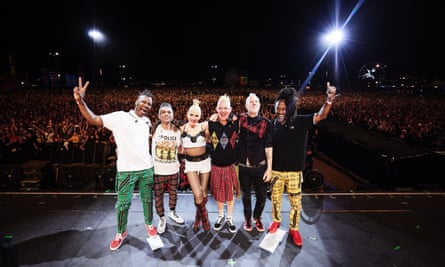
point(118, 240)
point(259, 225)
point(274, 227)
point(248, 225)
point(151, 231)
point(296, 237)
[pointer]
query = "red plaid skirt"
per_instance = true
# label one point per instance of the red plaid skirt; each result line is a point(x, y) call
point(224, 184)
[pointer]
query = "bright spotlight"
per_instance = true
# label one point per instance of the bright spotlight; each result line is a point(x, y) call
point(334, 38)
point(96, 35)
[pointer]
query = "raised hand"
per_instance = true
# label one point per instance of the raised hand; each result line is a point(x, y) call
point(330, 91)
point(79, 91)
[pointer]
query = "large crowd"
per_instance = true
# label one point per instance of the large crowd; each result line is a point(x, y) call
point(30, 118)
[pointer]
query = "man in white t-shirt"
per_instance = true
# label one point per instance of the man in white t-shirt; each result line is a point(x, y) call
point(131, 131)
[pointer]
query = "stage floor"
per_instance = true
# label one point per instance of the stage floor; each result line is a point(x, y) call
point(338, 229)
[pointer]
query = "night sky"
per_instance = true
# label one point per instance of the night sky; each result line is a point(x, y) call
point(182, 39)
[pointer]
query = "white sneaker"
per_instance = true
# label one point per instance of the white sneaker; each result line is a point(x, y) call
point(175, 217)
point(220, 222)
point(232, 227)
point(161, 225)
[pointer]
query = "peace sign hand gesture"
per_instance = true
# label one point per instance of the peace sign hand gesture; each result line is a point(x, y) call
point(79, 91)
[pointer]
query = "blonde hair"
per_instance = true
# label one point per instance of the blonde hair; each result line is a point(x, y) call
point(223, 98)
point(195, 107)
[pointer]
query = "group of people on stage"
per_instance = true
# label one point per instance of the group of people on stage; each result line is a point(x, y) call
point(228, 154)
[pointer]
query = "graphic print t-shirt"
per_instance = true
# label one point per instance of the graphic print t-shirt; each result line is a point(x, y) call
point(164, 150)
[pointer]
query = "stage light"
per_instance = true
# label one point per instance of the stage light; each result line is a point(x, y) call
point(96, 35)
point(334, 38)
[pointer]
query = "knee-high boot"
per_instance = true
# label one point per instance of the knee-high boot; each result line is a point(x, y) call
point(204, 216)
point(197, 223)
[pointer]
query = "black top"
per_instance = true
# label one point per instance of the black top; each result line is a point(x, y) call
point(193, 138)
point(255, 135)
point(223, 143)
point(289, 143)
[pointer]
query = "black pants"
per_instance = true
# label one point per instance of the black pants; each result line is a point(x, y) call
point(253, 177)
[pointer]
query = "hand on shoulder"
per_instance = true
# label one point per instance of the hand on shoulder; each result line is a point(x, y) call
point(213, 117)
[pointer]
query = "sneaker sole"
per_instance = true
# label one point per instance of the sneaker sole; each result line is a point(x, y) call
point(123, 240)
point(113, 249)
point(218, 228)
point(161, 230)
point(116, 248)
point(174, 220)
point(221, 225)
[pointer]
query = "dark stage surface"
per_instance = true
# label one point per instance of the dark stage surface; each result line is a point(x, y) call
point(338, 229)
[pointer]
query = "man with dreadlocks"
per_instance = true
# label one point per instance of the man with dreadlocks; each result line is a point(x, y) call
point(289, 151)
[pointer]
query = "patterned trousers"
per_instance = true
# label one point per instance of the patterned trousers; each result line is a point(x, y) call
point(293, 182)
point(161, 182)
point(125, 183)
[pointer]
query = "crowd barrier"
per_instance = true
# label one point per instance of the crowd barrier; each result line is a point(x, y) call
point(380, 161)
point(91, 168)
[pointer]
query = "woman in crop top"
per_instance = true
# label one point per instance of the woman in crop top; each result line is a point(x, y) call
point(194, 136)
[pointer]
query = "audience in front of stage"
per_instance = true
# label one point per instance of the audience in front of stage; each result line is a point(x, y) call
point(408, 117)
